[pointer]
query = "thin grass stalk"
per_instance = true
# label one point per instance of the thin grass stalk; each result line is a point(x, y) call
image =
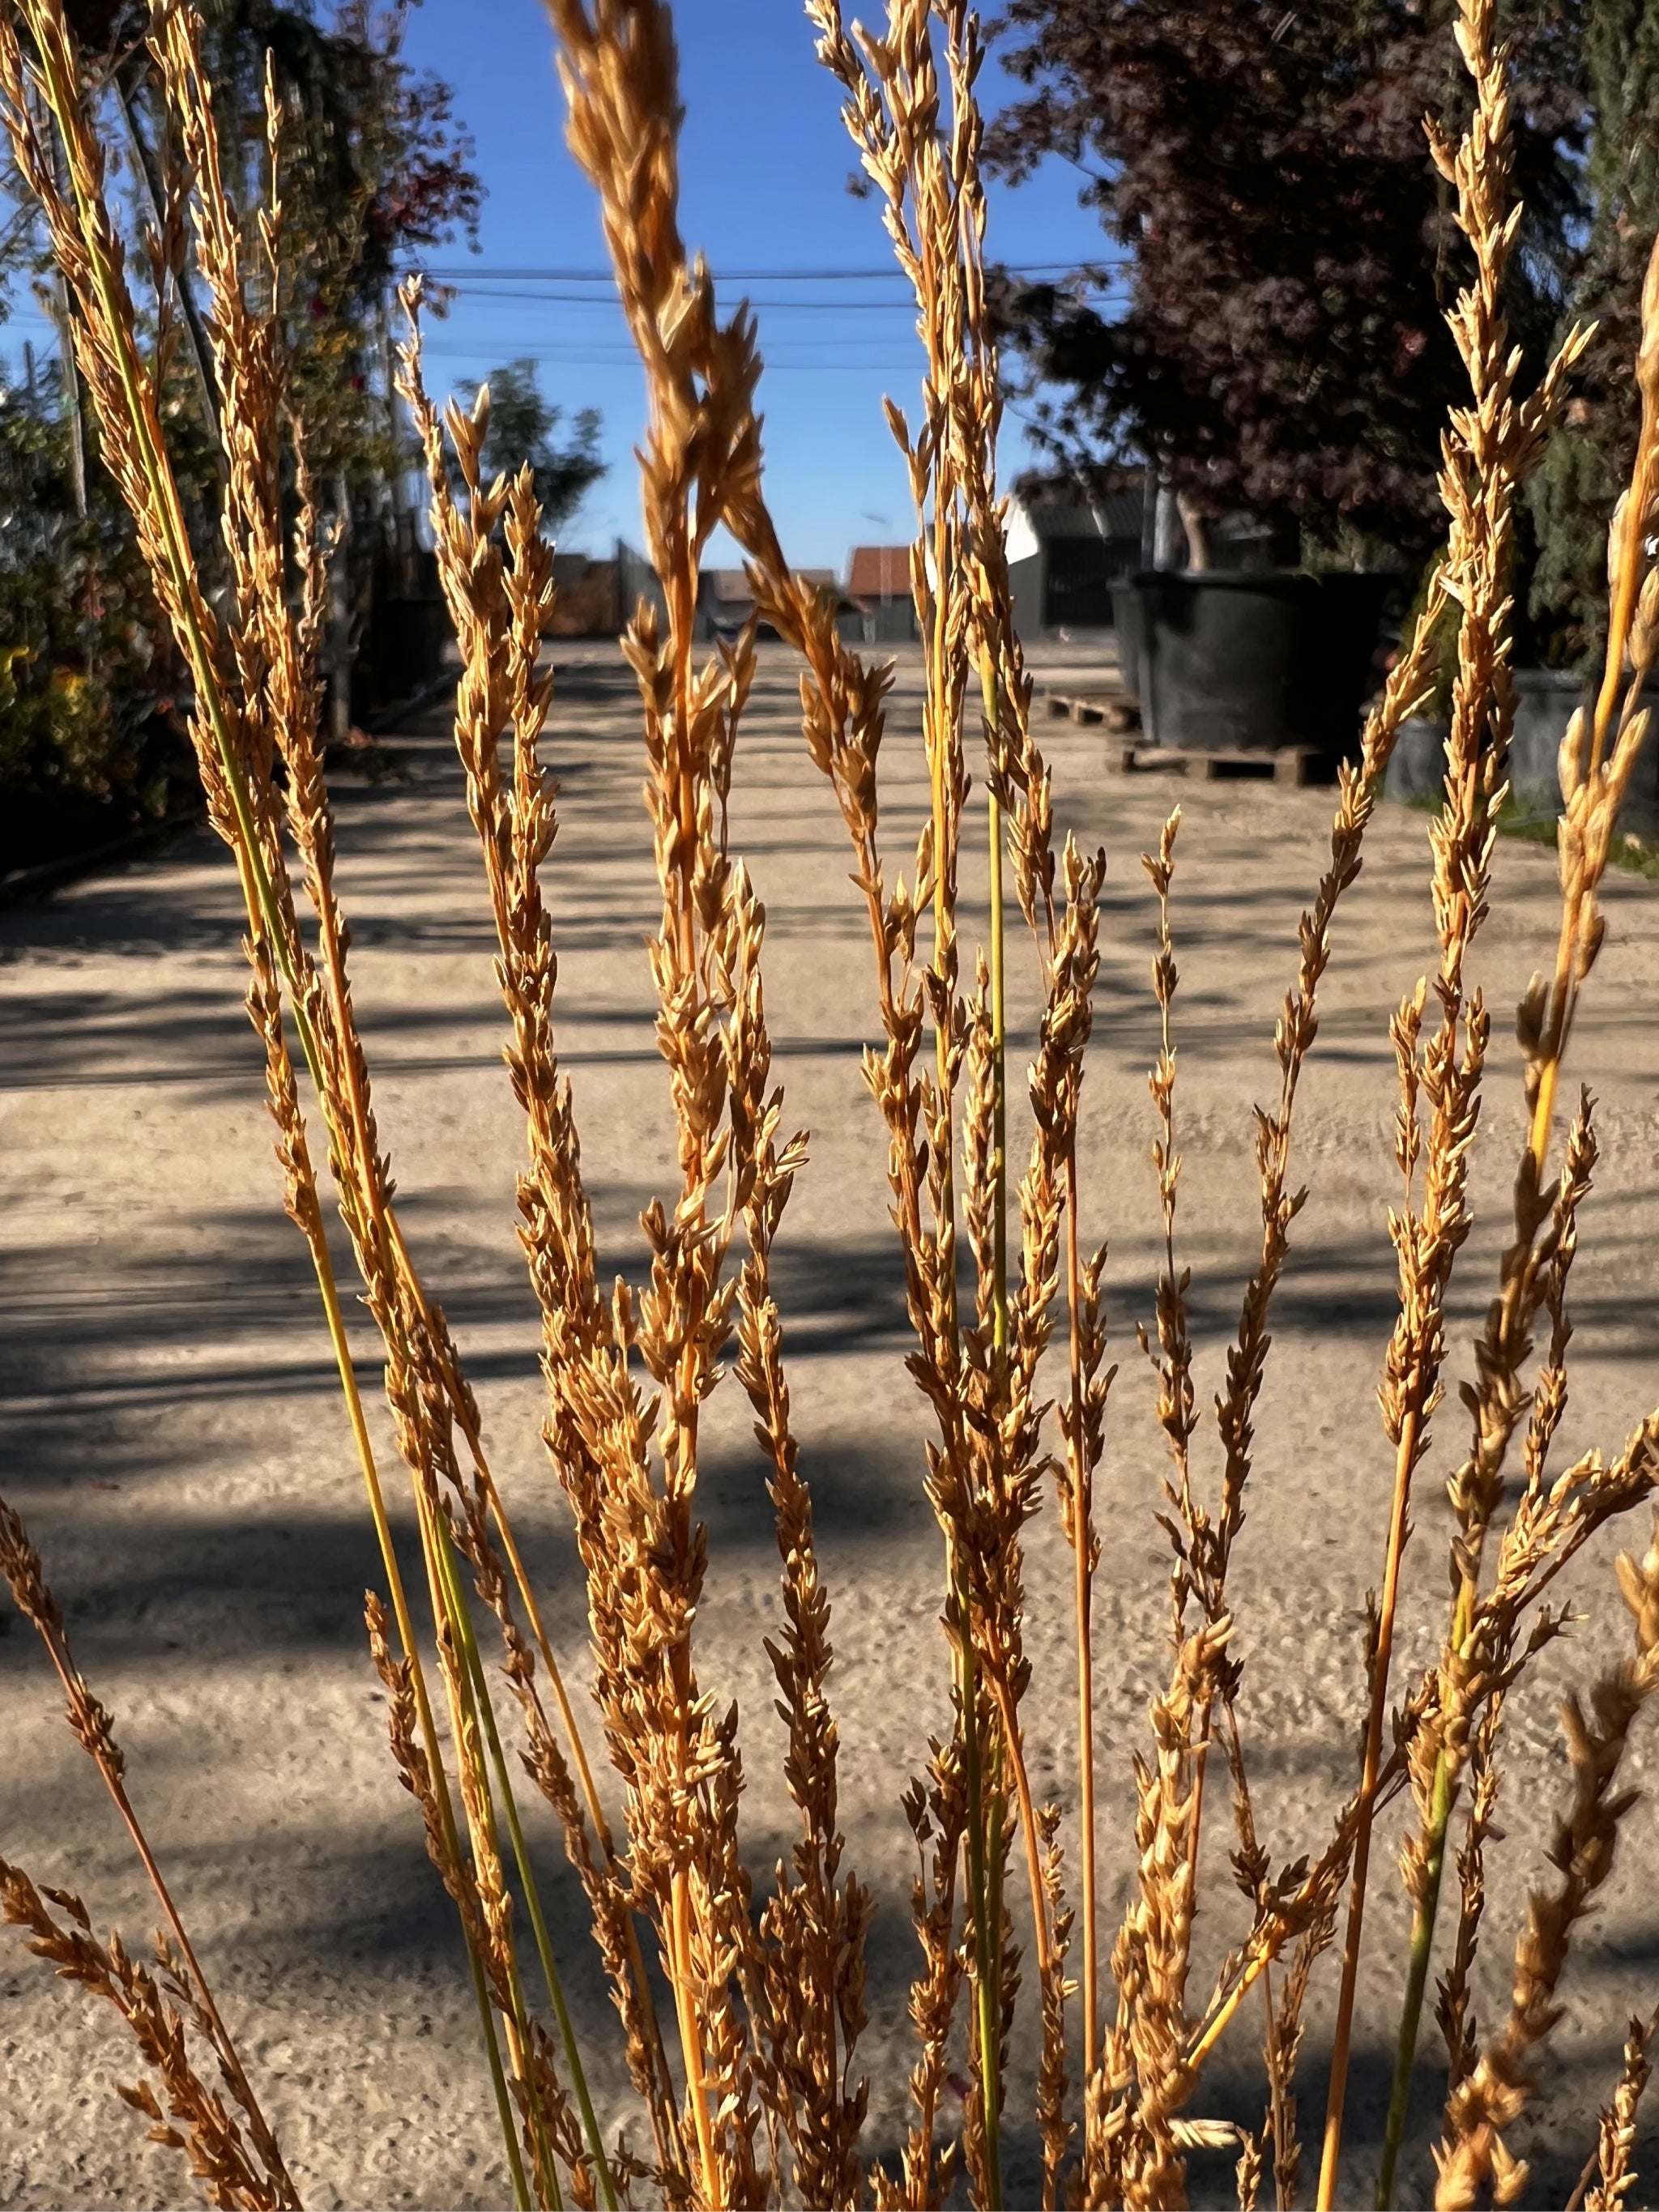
point(842, 719)
point(1018, 788)
point(346, 1095)
point(460, 1612)
point(949, 202)
point(94, 1731)
point(1609, 2174)
point(934, 566)
point(498, 1956)
point(490, 1909)
point(905, 58)
point(1490, 447)
point(499, 611)
point(1146, 2058)
point(1473, 2153)
point(103, 337)
point(934, 214)
point(407, 1638)
point(466, 1420)
point(994, 841)
point(1454, 2007)
point(1016, 767)
point(843, 726)
point(934, 272)
point(1476, 1667)
point(813, 1926)
point(159, 2008)
point(305, 1207)
point(476, 1733)
point(1544, 1021)
point(412, 1335)
point(619, 72)
point(1083, 1570)
point(443, 1849)
point(961, 348)
point(345, 1090)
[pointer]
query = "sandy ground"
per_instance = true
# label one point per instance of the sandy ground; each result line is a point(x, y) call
point(169, 1425)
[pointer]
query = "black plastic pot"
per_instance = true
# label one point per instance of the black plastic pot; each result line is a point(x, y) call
point(1545, 699)
point(1235, 660)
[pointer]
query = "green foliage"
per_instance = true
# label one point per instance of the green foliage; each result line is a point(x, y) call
point(82, 715)
point(1573, 494)
point(373, 164)
point(522, 426)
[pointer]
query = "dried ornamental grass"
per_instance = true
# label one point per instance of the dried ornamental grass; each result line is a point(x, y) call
point(748, 2079)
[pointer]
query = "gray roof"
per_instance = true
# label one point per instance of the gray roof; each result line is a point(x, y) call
point(1120, 511)
point(729, 588)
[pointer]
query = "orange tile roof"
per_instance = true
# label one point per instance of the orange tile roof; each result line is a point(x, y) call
point(879, 572)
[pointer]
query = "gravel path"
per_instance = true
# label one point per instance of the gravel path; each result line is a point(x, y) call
point(169, 1427)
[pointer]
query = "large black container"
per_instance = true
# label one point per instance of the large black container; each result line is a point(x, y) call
point(1544, 701)
point(1232, 661)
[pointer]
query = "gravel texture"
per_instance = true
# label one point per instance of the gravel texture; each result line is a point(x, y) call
point(169, 1426)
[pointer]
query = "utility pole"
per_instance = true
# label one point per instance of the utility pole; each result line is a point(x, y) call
point(60, 310)
point(1149, 516)
point(339, 616)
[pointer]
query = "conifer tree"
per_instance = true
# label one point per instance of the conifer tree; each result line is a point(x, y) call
point(1573, 494)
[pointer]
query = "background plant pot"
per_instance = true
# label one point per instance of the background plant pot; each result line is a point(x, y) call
point(1417, 766)
point(1237, 661)
point(1544, 701)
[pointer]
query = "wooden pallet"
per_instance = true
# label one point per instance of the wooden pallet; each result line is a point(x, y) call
point(1296, 766)
point(1117, 709)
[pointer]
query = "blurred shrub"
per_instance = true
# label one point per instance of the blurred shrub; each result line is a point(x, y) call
point(90, 737)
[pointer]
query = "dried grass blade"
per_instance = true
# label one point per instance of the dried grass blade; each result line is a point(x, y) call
point(1491, 444)
point(1609, 2176)
point(150, 2005)
point(1479, 2111)
point(94, 1731)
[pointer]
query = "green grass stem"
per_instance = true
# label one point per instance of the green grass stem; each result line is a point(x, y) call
point(264, 915)
point(461, 1613)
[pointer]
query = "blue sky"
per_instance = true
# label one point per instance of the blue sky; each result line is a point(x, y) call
point(765, 161)
point(765, 164)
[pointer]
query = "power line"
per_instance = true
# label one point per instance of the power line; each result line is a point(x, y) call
point(878, 346)
point(775, 366)
point(450, 273)
point(781, 306)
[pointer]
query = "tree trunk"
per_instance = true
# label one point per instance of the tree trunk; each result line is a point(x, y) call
point(1169, 533)
point(339, 617)
point(1148, 517)
point(1198, 535)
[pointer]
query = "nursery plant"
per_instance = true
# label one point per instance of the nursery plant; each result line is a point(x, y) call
point(741, 1995)
point(1282, 255)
